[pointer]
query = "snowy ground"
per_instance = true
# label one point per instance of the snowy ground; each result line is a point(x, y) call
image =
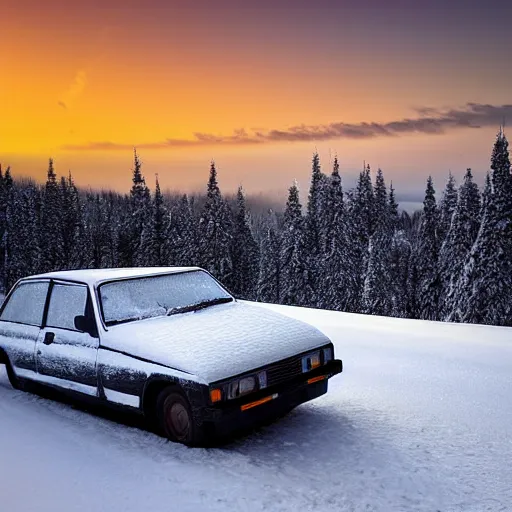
point(420, 420)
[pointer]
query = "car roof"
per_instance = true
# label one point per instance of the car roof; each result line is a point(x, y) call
point(97, 275)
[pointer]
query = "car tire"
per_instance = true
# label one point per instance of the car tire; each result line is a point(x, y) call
point(175, 419)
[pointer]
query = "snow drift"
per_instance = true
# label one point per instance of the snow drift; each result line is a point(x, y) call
point(420, 420)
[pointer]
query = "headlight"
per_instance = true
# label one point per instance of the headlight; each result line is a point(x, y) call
point(241, 387)
point(310, 362)
point(262, 380)
point(327, 354)
point(246, 385)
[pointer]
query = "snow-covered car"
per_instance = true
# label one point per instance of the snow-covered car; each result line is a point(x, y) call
point(170, 343)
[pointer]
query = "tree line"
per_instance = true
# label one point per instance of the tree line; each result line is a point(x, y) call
point(347, 250)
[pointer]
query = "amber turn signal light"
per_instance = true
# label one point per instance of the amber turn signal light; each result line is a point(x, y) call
point(258, 402)
point(316, 379)
point(215, 395)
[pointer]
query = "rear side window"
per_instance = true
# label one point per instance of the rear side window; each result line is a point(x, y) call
point(66, 302)
point(26, 304)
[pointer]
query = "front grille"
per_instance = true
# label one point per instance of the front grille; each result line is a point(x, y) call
point(284, 371)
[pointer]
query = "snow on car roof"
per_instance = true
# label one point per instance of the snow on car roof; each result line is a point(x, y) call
point(98, 275)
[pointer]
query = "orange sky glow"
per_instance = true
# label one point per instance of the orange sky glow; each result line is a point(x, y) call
point(258, 89)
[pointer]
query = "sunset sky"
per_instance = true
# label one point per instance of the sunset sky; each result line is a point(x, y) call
point(414, 87)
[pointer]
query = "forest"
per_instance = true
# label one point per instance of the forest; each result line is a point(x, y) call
point(346, 250)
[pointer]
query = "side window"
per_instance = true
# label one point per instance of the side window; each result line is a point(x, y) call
point(26, 304)
point(66, 302)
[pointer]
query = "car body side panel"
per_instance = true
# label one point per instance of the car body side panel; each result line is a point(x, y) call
point(123, 378)
point(71, 357)
point(19, 343)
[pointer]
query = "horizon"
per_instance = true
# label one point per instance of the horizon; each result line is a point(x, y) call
point(408, 201)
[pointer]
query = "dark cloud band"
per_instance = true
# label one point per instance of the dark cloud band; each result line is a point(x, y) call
point(429, 121)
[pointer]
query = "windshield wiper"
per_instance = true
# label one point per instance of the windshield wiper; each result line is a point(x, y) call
point(198, 305)
point(126, 320)
point(123, 321)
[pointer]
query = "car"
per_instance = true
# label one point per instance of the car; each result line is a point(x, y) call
point(170, 343)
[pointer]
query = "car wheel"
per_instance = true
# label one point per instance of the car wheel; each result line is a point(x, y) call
point(175, 418)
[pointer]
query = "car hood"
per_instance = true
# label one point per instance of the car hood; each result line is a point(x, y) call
point(215, 343)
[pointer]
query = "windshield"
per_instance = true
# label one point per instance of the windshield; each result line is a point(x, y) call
point(146, 297)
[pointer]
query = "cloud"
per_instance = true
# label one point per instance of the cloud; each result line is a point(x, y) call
point(428, 121)
point(75, 90)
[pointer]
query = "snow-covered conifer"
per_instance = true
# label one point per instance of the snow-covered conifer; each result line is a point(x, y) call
point(377, 290)
point(297, 277)
point(269, 280)
point(458, 243)
point(50, 234)
point(244, 253)
point(215, 227)
point(447, 207)
point(71, 222)
point(335, 279)
point(426, 258)
point(484, 292)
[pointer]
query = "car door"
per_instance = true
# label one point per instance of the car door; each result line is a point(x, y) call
point(65, 356)
point(20, 325)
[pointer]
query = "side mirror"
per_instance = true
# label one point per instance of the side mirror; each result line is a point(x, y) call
point(82, 324)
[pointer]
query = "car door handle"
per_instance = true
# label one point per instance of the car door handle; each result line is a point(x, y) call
point(48, 338)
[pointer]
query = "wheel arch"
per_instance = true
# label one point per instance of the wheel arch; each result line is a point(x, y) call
point(195, 392)
point(152, 388)
point(3, 356)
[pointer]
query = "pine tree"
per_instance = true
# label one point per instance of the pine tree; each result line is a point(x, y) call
point(393, 206)
point(71, 221)
point(51, 243)
point(364, 204)
point(244, 253)
point(269, 281)
point(377, 293)
point(324, 215)
point(380, 203)
point(215, 228)
point(377, 297)
point(459, 241)
point(447, 207)
point(111, 205)
point(359, 228)
point(399, 257)
point(297, 278)
point(312, 228)
point(184, 238)
point(6, 186)
point(335, 277)
point(155, 232)
point(487, 194)
point(332, 207)
point(426, 259)
point(21, 237)
point(131, 250)
point(96, 249)
point(413, 281)
point(484, 292)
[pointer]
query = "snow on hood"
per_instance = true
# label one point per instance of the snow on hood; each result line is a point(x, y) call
point(218, 342)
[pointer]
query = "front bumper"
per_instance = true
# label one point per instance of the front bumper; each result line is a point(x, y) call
point(269, 403)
